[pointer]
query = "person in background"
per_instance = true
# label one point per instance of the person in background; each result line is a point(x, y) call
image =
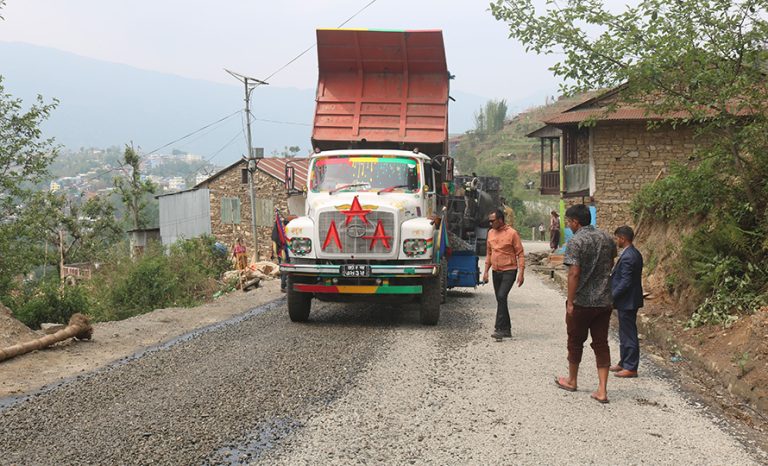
point(554, 231)
point(627, 292)
point(589, 258)
point(506, 256)
point(541, 232)
point(240, 256)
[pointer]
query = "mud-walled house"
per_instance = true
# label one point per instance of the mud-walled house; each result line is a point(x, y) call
point(608, 160)
point(221, 204)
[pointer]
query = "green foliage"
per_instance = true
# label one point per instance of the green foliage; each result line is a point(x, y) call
point(685, 192)
point(734, 289)
point(490, 119)
point(188, 274)
point(48, 301)
point(24, 158)
point(133, 189)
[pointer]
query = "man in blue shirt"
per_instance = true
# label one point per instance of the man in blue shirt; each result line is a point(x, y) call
point(627, 292)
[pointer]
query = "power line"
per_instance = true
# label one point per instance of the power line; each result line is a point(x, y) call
point(315, 44)
point(221, 149)
point(192, 133)
point(220, 120)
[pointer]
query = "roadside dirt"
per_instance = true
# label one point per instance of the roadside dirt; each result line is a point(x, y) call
point(114, 340)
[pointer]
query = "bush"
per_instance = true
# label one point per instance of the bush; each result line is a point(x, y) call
point(684, 192)
point(48, 301)
point(733, 287)
point(184, 276)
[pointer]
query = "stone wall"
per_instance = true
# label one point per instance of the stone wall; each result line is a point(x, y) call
point(628, 156)
point(229, 184)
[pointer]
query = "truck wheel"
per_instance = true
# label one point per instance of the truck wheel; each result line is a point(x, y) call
point(299, 304)
point(443, 280)
point(430, 301)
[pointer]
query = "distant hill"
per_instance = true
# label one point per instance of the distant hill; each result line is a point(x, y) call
point(104, 104)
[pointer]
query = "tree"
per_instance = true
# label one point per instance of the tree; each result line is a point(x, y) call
point(696, 62)
point(132, 189)
point(24, 158)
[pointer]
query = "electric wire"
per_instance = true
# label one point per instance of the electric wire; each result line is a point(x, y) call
point(315, 44)
point(220, 120)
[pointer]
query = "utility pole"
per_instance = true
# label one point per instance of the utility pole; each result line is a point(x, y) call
point(250, 84)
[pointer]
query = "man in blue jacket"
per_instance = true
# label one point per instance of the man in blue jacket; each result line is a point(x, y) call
point(627, 291)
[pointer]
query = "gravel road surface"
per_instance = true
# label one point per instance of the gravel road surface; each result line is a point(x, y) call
point(365, 383)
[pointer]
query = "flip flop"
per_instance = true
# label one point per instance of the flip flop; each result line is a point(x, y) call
point(564, 386)
point(599, 400)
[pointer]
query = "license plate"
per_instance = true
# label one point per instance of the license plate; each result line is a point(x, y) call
point(356, 271)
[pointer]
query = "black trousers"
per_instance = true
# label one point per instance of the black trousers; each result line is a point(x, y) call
point(629, 345)
point(502, 284)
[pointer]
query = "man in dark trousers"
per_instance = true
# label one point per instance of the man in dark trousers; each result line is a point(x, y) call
point(627, 291)
point(589, 256)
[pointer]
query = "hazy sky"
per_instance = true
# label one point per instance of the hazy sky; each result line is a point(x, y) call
point(196, 39)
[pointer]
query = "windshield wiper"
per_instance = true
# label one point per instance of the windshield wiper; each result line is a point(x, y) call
point(391, 188)
point(347, 186)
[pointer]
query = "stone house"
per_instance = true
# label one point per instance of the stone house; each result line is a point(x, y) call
point(220, 205)
point(609, 161)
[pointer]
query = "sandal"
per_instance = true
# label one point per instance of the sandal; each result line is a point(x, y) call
point(599, 400)
point(567, 388)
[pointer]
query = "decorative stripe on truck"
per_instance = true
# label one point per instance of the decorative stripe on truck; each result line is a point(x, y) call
point(357, 289)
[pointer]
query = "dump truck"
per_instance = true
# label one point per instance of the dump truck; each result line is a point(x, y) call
point(380, 180)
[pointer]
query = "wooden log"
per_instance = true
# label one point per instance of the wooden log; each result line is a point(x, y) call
point(79, 327)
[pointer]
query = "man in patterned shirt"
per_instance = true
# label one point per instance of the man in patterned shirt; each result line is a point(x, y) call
point(589, 256)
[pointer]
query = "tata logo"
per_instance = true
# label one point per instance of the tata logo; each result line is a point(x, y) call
point(356, 229)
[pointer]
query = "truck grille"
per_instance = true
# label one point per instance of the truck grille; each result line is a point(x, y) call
point(351, 235)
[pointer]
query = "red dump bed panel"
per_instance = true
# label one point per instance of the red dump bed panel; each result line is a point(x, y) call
point(381, 87)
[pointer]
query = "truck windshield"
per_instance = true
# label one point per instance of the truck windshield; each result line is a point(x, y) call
point(368, 173)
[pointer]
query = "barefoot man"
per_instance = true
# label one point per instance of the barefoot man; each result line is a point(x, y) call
point(589, 256)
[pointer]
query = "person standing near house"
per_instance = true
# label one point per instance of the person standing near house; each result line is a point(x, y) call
point(589, 258)
point(240, 256)
point(554, 231)
point(541, 232)
point(505, 255)
point(627, 292)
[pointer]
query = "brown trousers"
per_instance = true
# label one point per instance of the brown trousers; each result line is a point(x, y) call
point(584, 321)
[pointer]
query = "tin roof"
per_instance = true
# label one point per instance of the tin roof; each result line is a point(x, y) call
point(272, 166)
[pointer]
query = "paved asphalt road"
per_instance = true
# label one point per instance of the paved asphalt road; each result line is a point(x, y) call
point(366, 384)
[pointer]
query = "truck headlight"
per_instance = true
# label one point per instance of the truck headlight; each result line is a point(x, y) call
point(414, 247)
point(301, 246)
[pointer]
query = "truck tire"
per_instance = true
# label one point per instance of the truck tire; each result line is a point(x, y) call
point(299, 304)
point(429, 313)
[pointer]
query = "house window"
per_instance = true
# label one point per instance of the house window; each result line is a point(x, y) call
point(244, 176)
point(230, 210)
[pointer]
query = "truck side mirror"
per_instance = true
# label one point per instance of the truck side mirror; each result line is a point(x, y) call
point(290, 179)
point(447, 173)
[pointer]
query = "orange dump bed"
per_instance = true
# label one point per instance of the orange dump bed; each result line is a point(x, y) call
point(383, 89)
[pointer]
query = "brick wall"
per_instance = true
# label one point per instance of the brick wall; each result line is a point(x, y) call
point(229, 184)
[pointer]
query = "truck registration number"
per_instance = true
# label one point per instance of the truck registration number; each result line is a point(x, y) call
point(356, 271)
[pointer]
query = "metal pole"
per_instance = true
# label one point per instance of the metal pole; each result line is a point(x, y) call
point(251, 171)
point(250, 85)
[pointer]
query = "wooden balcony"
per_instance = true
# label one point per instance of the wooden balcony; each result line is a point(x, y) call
point(550, 183)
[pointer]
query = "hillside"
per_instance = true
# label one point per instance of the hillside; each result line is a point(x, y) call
point(516, 158)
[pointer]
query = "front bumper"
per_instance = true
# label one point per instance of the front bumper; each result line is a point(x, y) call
point(377, 271)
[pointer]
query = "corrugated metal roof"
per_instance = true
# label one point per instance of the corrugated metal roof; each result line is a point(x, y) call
point(272, 166)
point(545, 132)
point(600, 114)
point(275, 167)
